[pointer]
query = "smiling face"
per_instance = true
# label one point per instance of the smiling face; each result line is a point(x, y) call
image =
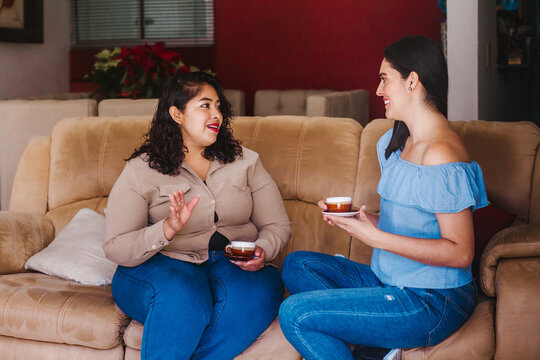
point(201, 119)
point(394, 91)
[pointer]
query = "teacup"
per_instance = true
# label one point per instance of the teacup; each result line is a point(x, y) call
point(338, 204)
point(241, 248)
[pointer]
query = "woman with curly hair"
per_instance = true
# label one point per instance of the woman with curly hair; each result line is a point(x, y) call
point(189, 190)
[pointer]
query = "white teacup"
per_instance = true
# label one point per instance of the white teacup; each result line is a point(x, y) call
point(241, 248)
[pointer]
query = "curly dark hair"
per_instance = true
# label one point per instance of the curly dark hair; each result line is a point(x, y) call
point(163, 146)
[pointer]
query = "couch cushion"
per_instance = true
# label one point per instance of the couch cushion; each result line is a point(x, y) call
point(87, 155)
point(31, 182)
point(40, 307)
point(506, 153)
point(283, 102)
point(309, 158)
point(123, 107)
point(21, 120)
point(518, 309)
point(353, 104)
point(30, 349)
point(475, 340)
point(271, 344)
point(21, 236)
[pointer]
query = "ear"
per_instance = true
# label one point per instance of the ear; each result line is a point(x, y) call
point(413, 79)
point(176, 114)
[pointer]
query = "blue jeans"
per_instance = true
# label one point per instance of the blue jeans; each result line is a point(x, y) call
point(214, 310)
point(336, 301)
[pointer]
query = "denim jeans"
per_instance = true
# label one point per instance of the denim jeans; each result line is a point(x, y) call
point(336, 302)
point(214, 310)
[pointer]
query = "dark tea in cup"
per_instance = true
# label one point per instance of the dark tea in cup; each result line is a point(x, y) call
point(338, 204)
point(241, 248)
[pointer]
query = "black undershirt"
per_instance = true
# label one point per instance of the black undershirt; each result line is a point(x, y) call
point(217, 241)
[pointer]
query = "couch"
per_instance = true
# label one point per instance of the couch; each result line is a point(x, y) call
point(310, 158)
point(21, 120)
point(320, 102)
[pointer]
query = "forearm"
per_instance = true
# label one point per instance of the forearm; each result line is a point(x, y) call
point(435, 252)
point(273, 238)
point(373, 218)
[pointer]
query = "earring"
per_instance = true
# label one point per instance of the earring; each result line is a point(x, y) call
point(410, 88)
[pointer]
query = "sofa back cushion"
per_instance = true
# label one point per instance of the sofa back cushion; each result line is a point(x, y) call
point(283, 102)
point(506, 152)
point(310, 159)
point(124, 107)
point(87, 155)
point(21, 120)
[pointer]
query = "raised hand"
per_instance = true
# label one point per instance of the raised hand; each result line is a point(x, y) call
point(179, 213)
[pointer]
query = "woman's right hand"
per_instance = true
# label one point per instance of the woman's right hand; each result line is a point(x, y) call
point(322, 205)
point(179, 213)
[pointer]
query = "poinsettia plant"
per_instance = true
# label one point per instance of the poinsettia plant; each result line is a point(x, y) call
point(137, 72)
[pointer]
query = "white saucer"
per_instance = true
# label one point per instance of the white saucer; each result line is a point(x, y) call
point(342, 214)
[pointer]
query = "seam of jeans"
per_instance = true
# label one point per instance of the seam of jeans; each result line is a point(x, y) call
point(457, 308)
point(439, 323)
point(299, 336)
point(466, 296)
point(306, 267)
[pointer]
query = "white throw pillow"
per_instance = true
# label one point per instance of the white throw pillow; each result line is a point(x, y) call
point(77, 253)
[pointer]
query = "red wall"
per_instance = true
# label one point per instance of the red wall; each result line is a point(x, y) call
point(286, 44)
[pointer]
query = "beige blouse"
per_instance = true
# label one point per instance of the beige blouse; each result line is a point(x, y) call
point(242, 193)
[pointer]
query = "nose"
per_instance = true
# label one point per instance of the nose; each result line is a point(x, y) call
point(216, 114)
point(379, 89)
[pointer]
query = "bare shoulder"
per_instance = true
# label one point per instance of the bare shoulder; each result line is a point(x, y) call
point(445, 149)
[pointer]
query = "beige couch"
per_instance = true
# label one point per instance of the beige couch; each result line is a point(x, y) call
point(21, 120)
point(310, 158)
point(352, 104)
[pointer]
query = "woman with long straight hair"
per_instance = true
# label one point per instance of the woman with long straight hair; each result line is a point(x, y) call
point(419, 288)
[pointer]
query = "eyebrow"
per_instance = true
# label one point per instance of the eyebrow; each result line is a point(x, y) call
point(207, 99)
point(382, 74)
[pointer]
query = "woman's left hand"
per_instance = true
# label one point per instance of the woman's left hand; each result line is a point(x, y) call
point(359, 226)
point(255, 264)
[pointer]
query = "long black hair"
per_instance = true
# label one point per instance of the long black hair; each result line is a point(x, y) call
point(164, 147)
point(425, 57)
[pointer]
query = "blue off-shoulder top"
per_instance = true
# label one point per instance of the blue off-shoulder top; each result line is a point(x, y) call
point(411, 195)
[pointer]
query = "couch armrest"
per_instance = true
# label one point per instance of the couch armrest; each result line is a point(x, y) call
point(519, 241)
point(517, 312)
point(352, 104)
point(21, 236)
